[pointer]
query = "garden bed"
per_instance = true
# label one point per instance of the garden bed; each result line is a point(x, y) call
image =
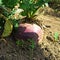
point(48, 49)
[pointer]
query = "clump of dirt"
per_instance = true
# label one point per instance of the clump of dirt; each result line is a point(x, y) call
point(48, 49)
point(50, 25)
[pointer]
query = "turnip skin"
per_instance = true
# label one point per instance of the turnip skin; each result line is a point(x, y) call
point(27, 31)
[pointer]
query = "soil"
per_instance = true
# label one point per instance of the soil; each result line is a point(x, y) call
point(48, 49)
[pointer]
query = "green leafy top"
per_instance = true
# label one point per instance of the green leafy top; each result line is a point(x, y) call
point(31, 6)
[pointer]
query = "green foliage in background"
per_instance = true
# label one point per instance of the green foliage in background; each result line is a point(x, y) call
point(9, 3)
point(0, 2)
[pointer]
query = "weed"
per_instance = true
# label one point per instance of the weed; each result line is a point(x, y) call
point(56, 35)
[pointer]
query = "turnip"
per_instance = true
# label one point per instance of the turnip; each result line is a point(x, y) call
point(27, 31)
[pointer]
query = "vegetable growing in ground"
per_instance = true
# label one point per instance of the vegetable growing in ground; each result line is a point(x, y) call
point(27, 31)
point(29, 8)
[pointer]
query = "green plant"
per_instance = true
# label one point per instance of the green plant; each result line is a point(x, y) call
point(10, 3)
point(10, 22)
point(0, 2)
point(7, 28)
point(5, 6)
point(12, 11)
point(29, 43)
point(20, 43)
point(32, 45)
point(31, 6)
point(56, 35)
